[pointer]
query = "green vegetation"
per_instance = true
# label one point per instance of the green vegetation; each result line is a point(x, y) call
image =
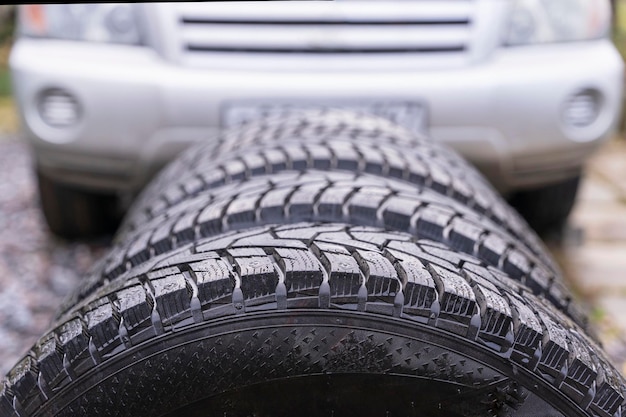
point(5, 82)
point(8, 116)
point(7, 27)
point(619, 30)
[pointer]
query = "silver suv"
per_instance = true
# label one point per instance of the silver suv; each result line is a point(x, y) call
point(108, 93)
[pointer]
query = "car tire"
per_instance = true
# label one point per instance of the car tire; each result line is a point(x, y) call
point(74, 213)
point(315, 292)
point(334, 196)
point(547, 208)
point(330, 140)
point(313, 319)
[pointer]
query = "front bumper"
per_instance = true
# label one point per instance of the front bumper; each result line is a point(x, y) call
point(137, 110)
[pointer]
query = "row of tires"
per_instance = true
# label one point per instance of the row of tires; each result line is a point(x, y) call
point(325, 263)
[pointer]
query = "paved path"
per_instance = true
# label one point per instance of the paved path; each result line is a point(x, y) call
point(594, 257)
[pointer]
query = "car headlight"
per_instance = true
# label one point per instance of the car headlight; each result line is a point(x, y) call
point(115, 23)
point(545, 21)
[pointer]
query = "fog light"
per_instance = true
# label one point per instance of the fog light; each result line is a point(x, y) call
point(582, 109)
point(58, 108)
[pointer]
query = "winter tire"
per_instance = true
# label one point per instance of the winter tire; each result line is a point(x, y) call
point(313, 319)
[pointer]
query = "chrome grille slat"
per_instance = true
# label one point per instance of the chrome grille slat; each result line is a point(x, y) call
point(253, 38)
point(328, 12)
point(208, 20)
point(309, 28)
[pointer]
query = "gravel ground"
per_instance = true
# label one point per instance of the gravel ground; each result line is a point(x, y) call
point(36, 269)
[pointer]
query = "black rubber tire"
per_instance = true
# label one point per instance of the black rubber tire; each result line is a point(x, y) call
point(76, 213)
point(308, 125)
point(313, 320)
point(332, 140)
point(414, 166)
point(547, 208)
point(357, 199)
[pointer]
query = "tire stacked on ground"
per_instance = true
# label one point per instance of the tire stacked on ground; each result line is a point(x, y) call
point(319, 264)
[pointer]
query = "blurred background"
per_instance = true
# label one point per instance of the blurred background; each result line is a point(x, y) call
point(38, 269)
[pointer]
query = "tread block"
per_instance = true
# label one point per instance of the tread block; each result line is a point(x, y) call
point(398, 211)
point(115, 264)
point(258, 276)
point(139, 250)
point(558, 294)
point(373, 159)
point(172, 298)
point(581, 372)
point(193, 185)
point(419, 287)
point(465, 235)
point(528, 332)
point(555, 351)
point(75, 343)
point(235, 170)
point(272, 205)
point(103, 325)
point(365, 203)
point(301, 203)
point(343, 271)
point(440, 179)
point(456, 300)
point(607, 400)
point(50, 361)
point(496, 317)
point(6, 400)
point(462, 191)
point(302, 270)
point(255, 164)
point(516, 263)
point(610, 388)
point(432, 222)
point(173, 194)
point(382, 279)
point(213, 178)
point(135, 308)
point(540, 279)
point(242, 211)
point(161, 239)
point(211, 218)
point(492, 249)
point(345, 156)
point(214, 280)
point(320, 155)
point(396, 166)
point(276, 159)
point(418, 171)
point(331, 201)
point(23, 380)
point(297, 157)
point(184, 228)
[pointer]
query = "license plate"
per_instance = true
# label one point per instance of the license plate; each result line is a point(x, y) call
point(410, 114)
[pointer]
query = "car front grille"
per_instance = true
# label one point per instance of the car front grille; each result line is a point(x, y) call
point(432, 27)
